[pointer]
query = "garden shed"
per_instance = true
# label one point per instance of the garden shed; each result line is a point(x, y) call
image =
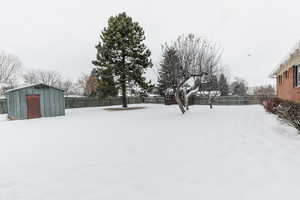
point(34, 101)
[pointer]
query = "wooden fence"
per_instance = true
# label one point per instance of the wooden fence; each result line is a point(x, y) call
point(227, 100)
point(74, 102)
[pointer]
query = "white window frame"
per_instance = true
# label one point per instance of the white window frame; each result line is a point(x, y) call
point(298, 76)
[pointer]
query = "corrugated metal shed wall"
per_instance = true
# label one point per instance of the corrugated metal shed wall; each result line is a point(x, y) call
point(51, 100)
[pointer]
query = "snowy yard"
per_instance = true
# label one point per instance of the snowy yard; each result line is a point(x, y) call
point(232, 152)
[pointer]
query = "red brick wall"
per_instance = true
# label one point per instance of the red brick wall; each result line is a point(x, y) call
point(286, 90)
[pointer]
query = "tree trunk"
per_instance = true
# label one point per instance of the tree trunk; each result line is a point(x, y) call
point(124, 99)
point(186, 102)
point(210, 103)
point(123, 84)
point(187, 96)
point(179, 101)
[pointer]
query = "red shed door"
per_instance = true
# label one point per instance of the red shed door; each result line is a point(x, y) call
point(33, 106)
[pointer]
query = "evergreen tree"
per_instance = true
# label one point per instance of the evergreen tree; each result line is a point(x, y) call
point(223, 85)
point(122, 53)
point(106, 86)
point(168, 72)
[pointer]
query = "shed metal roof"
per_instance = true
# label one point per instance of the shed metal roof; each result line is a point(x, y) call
point(32, 85)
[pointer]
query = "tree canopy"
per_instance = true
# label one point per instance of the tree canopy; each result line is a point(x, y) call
point(194, 58)
point(123, 53)
point(168, 71)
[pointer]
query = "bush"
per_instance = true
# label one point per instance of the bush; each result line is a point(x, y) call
point(271, 104)
point(289, 113)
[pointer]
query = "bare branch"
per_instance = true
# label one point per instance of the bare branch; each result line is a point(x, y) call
point(10, 67)
point(51, 78)
point(198, 59)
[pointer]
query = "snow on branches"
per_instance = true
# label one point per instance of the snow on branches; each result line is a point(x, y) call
point(198, 60)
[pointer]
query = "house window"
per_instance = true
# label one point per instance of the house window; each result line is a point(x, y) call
point(296, 75)
point(280, 79)
point(286, 74)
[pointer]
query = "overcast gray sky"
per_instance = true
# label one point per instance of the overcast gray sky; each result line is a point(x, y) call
point(60, 35)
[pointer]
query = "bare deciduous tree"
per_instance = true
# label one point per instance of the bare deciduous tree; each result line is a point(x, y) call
point(82, 84)
point(211, 89)
point(51, 78)
point(68, 87)
point(10, 67)
point(198, 60)
point(264, 93)
point(86, 85)
point(239, 87)
point(215, 86)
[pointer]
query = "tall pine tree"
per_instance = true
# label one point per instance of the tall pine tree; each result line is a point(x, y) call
point(122, 52)
point(168, 71)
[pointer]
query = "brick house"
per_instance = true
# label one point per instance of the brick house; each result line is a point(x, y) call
point(287, 75)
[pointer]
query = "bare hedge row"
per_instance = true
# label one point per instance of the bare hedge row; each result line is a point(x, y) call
point(288, 112)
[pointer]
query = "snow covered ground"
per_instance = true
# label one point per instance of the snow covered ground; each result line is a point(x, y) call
point(232, 152)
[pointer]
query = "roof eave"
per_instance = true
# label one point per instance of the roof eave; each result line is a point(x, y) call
point(28, 86)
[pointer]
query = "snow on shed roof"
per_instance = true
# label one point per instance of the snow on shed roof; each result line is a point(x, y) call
point(285, 60)
point(4, 85)
point(32, 85)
